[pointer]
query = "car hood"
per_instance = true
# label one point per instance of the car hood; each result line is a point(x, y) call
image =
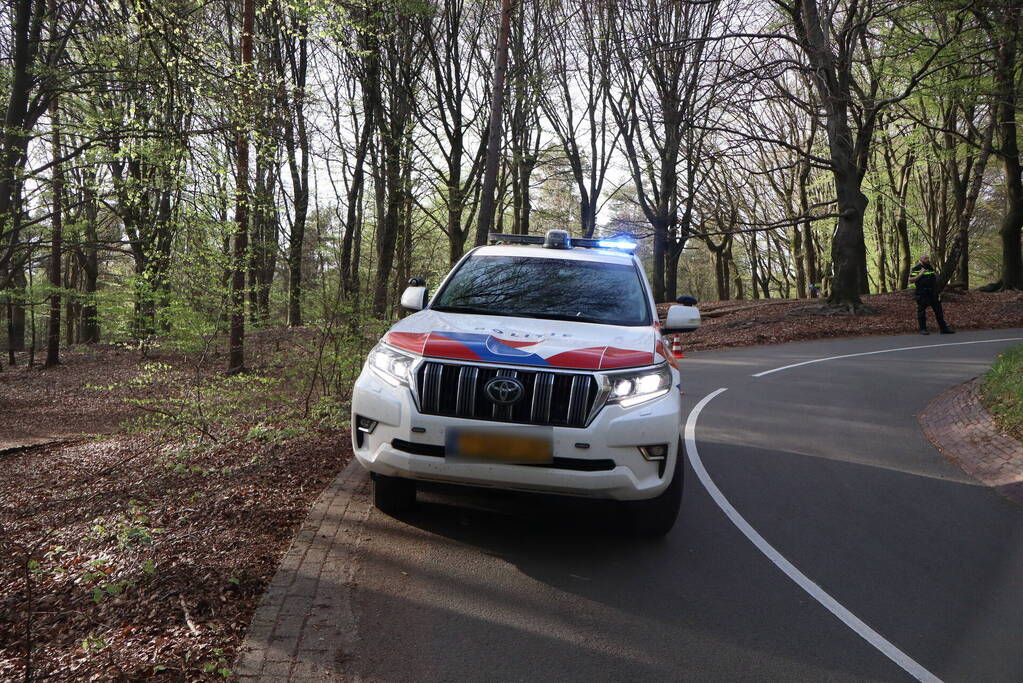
point(526, 341)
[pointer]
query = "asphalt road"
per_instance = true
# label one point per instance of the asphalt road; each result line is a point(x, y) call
point(825, 461)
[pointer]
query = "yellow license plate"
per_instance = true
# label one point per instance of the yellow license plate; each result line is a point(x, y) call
point(507, 447)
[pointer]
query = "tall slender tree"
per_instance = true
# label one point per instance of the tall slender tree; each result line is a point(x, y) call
point(487, 197)
point(236, 355)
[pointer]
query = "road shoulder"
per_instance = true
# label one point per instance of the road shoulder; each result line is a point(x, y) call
point(963, 431)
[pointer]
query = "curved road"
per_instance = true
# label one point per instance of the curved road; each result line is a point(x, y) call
point(823, 462)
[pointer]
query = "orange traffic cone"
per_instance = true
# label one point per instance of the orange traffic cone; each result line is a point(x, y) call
point(676, 346)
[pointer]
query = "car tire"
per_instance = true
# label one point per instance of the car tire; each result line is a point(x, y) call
point(393, 495)
point(655, 517)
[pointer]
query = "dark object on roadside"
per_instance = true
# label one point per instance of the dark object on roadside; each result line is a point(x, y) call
point(991, 287)
point(686, 300)
point(925, 280)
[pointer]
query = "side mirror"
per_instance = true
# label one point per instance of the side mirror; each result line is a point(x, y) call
point(686, 300)
point(414, 298)
point(681, 319)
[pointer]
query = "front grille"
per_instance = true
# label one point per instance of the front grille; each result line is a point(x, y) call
point(551, 398)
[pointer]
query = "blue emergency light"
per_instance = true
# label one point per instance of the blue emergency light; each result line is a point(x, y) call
point(624, 245)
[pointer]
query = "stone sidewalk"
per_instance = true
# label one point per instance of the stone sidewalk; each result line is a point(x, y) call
point(959, 426)
point(304, 628)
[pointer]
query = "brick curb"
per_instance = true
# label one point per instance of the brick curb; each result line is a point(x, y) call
point(963, 431)
point(304, 627)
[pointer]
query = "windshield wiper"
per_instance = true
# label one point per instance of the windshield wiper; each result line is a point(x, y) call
point(565, 316)
point(467, 309)
point(523, 314)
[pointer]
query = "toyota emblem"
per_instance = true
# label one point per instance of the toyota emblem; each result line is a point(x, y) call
point(504, 391)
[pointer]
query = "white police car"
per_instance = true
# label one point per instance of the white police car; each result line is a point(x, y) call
point(538, 365)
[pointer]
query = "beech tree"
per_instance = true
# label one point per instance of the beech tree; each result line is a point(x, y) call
point(658, 97)
point(849, 58)
point(1001, 23)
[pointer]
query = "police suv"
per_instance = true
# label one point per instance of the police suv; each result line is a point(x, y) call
point(538, 365)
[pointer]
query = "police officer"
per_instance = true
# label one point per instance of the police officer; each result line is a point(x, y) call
point(926, 281)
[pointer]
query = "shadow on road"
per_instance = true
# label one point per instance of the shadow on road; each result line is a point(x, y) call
point(582, 597)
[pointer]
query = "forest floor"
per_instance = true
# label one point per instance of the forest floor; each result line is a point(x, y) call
point(731, 324)
point(146, 501)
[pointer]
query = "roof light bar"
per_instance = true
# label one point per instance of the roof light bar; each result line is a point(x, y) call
point(560, 239)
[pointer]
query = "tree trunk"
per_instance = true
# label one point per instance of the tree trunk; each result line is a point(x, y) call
point(57, 223)
point(487, 200)
point(89, 262)
point(1012, 221)
point(371, 98)
point(19, 118)
point(264, 231)
point(387, 230)
point(1012, 261)
point(299, 177)
point(796, 245)
point(754, 269)
point(740, 292)
point(16, 309)
point(90, 317)
point(236, 355)
point(847, 248)
point(660, 241)
point(456, 238)
point(963, 281)
point(72, 306)
point(809, 248)
point(882, 252)
point(295, 245)
point(671, 273)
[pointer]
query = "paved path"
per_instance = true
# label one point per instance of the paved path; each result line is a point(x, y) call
point(304, 628)
point(957, 424)
point(823, 462)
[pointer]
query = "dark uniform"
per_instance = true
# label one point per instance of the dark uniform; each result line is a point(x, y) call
point(926, 295)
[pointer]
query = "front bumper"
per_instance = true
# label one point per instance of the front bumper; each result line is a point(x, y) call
point(613, 435)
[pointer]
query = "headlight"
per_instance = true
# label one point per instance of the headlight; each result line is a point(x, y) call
point(639, 386)
point(392, 366)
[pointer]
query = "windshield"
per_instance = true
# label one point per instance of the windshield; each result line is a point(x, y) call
point(558, 289)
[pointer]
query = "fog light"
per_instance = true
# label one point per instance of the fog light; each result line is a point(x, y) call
point(364, 424)
point(655, 452)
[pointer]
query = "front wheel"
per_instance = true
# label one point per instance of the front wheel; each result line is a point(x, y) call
point(655, 517)
point(393, 495)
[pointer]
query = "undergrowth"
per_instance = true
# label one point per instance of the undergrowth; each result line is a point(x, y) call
point(1003, 391)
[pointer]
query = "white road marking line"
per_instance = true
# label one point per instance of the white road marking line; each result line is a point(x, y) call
point(871, 353)
point(816, 592)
